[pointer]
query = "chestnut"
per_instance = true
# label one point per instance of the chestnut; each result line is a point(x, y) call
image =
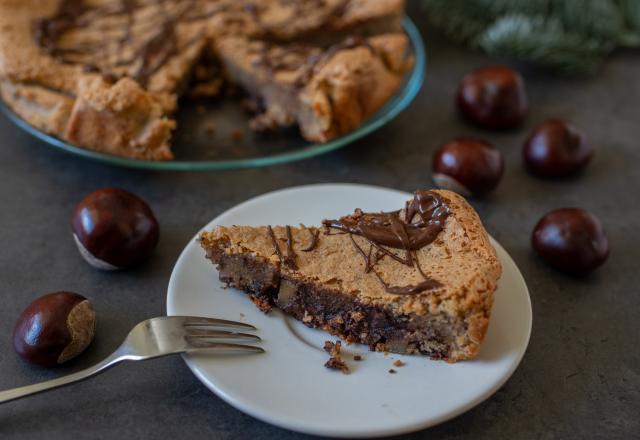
point(468, 166)
point(55, 328)
point(493, 97)
point(572, 240)
point(556, 149)
point(114, 229)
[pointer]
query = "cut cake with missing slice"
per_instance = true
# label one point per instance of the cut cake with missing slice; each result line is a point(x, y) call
point(106, 75)
point(419, 280)
point(326, 92)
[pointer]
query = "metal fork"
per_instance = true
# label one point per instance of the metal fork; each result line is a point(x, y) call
point(154, 338)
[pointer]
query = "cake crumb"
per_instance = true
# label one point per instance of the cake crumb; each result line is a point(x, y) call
point(392, 371)
point(335, 362)
point(399, 363)
point(333, 348)
point(357, 357)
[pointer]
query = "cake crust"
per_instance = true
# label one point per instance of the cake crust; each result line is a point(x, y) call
point(327, 93)
point(329, 287)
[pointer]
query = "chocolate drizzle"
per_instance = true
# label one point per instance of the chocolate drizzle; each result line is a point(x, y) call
point(138, 48)
point(48, 31)
point(288, 260)
point(317, 62)
point(410, 229)
point(156, 52)
point(307, 60)
point(315, 15)
point(389, 229)
point(136, 38)
point(314, 240)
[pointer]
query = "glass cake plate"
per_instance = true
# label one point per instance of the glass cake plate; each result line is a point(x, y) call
point(214, 134)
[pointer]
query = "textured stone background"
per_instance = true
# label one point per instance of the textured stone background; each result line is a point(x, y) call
point(580, 377)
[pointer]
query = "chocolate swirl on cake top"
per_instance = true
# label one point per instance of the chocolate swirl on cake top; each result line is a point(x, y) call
point(133, 38)
point(411, 229)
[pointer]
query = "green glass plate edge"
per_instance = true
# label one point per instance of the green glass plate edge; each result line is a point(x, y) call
point(383, 116)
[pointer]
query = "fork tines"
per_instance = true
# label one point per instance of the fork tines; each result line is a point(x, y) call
point(196, 321)
point(196, 345)
point(201, 333)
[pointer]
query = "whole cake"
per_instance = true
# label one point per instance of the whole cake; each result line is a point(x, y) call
point(419, 280)
point(106, 74)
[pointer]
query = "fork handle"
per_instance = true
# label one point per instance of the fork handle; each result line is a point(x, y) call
point(17, 393)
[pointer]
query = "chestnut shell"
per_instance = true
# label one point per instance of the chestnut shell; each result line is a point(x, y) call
point(42, 331)
point(556, 149)
point(115, 227)
point(493, 97)
point(572, 240)
point(468, 166)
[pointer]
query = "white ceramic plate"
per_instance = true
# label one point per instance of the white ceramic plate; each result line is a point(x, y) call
point(288, 385)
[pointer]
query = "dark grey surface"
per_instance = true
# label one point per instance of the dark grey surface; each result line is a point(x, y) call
point(580, 377)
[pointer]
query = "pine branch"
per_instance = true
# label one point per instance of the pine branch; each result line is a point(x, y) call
point(544, 42)
point(460, 20)
point(630, 10)
point(572, 36)
point(498, 8)
point(597, 19)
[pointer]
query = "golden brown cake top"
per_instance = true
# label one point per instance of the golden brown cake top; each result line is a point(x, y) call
point(456, 268)
point(296, 64)
point(55, 42)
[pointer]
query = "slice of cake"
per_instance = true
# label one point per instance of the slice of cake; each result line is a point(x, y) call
point(419, 280)
point(326, 92)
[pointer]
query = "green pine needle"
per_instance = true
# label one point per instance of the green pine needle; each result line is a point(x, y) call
point(542, 42)
point(593, 19)
point(630, 10)
point(461, 20)
point(572, 36)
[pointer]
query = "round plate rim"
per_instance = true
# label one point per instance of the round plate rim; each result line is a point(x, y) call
point(300, 427)
point(388, 112)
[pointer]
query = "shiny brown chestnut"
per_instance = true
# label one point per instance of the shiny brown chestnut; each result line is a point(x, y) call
point(493, 97)
point(114, 229)
point(55, 328)
point(572, 240)
point(556, 149)
point(468, 166)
